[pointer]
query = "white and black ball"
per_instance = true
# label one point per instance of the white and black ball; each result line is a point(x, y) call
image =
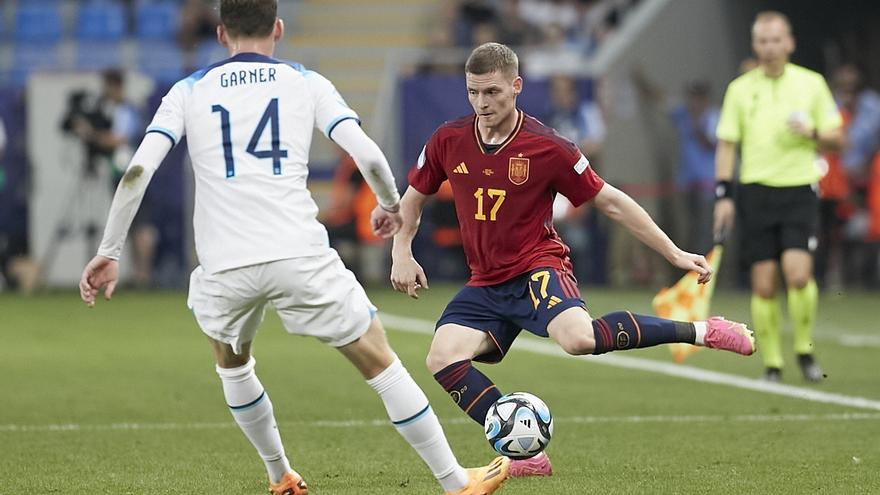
point(519, 425)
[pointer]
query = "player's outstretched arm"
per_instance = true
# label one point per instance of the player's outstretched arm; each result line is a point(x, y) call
point(103, 270)
point(618, 206)
point(370, 161)
point(406, 274)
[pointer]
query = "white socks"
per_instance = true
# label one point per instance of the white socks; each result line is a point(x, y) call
point(700, 333)
point(413, 417)
point(252, 410)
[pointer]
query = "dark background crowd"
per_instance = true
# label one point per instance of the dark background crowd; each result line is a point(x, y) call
point(165, 39)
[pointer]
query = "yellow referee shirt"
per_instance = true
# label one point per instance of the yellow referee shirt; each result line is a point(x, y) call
point(756, 112)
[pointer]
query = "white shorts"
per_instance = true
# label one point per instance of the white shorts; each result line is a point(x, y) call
point(315, 296)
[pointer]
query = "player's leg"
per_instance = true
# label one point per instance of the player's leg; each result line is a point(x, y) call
point(252, 410)
point(803, 300)
point(450, 360)
point(318, 296)
point(475, 325)
point(577, 333)
point(458, 342)
point(557, 311)
point(767, 316)
point(761, 213)
point(798, 241)
point(412, 416)
point(229, 308)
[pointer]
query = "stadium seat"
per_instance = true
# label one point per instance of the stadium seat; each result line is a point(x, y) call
point(100, 21)
point(156, 20)
point(161, 61)
point(32, 57)
point(92, 55)
point(38, 22)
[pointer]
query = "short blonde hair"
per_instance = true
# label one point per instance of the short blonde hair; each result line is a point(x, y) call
point(490, 57)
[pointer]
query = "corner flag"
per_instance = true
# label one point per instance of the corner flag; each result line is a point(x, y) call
point(688, 301)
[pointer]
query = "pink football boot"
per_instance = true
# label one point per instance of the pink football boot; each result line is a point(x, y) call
point(729, 336)
point(534, 466)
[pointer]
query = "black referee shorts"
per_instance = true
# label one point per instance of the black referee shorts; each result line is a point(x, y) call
point(773, 219)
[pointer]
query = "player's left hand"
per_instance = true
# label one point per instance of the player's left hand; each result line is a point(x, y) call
point(385, 223)
point(100, 273)
point(693, 263)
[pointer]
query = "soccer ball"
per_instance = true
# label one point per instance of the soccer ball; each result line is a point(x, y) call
point(519, 425)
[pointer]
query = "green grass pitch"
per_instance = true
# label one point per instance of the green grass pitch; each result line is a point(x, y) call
point(123, 399)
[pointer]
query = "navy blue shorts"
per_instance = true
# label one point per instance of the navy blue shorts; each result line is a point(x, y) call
point(526, 302)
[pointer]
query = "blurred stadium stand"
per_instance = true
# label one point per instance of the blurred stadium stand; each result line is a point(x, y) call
point(38, 21)
point(398, 63)
point(100, 20)
point(156, 20)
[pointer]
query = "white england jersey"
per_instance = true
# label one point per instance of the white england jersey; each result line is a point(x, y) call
point(248, 122)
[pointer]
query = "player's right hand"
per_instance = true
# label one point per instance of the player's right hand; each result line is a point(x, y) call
point(724, 213)
point(100, 273)
point(385, 223)
point(407, 276)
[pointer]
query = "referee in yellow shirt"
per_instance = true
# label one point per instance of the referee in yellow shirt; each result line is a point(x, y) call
point(780, 114)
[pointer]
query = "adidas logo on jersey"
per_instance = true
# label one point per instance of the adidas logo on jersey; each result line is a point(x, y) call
point(461, 169)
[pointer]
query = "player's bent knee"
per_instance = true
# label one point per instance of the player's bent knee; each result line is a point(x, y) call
point(579, 345)
point(438, 360)
point(576, 341)
point(226, 357)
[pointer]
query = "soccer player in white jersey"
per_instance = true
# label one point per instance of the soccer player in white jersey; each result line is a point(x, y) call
point(249, 122)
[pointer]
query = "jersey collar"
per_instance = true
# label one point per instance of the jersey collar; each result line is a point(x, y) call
point(513, 134)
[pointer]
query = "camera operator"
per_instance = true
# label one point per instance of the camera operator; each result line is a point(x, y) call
point(107, 126)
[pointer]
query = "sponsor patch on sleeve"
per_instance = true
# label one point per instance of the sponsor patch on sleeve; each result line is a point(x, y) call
point(581, 164)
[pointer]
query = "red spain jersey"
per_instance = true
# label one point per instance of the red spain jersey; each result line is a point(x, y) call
point(504, 199)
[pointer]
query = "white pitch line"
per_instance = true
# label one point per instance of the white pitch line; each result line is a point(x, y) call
point(375, 423)
point(417, 325)
point(854, 340)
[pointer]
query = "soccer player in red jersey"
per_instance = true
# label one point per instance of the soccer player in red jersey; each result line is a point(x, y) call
point(505, 169)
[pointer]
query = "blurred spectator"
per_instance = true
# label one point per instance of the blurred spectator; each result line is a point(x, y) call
point(108, 130)
point(850, 188)
point(450, 262)
point(555, 33)
point(17, 270)
point(599, 19)
point(873, 234)
point(580, 120)
point(554, 53)
point(472, 13)
point(863, 105)
point(544, 13)
point(348, 222)
point(484, 33)
point(4, 237)
point(580, 24)
point(437, 60)
point(513, 30)
point(694, 121)
point(198, 23)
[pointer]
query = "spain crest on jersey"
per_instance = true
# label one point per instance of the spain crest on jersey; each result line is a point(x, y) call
point(518, 171)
